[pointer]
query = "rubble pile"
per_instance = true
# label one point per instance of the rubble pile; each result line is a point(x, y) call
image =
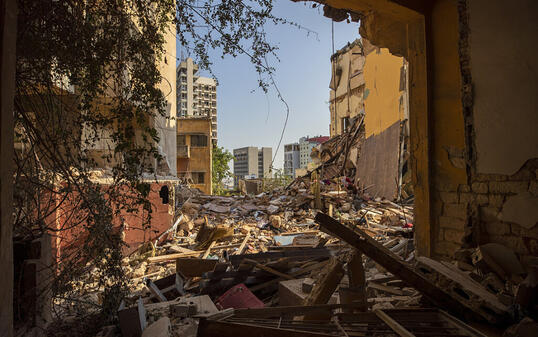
point(275, 251)
point(318, 257)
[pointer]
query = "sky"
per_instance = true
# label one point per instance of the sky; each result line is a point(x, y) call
point(247, 116)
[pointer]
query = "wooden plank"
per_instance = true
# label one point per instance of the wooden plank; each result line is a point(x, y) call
point(395, 326)
point(388, 260)
point(475, 293)
point(243, 244)
point(269, 269)
point(208, 250)
point(325, 285)
point(300, 272)
point(194, 267)
point(386, 289)
point(308, 253)
point(155, 291)
point(171, 257)
point(356, 293)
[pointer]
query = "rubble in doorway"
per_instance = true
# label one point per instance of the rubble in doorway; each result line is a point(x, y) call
point(318, 258)
point(232, 264)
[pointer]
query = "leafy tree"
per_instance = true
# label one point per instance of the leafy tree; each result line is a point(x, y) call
point(221, 170)
point(89, 70)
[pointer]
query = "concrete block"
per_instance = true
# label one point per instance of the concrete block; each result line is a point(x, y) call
point(464, 188)
point(160, 328)
point(451, 222)
point(449, 197)
point(505, 187)
point(455, 210)
point(467, 198)
point(479, 187)
point(291, 292)
point(455, 236)
point(521, 209)
point(445, 248)
point(496, 200)
point(482, 199)
point(489, 214)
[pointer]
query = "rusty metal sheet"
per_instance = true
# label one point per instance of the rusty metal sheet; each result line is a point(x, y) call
point(377, 166)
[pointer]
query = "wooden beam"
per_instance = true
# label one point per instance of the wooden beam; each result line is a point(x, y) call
point(395, 326)
point(243, 244)
point(388, 260)
point(325, 285)
point(208, 250)
point(269, 269)
point(356, 293)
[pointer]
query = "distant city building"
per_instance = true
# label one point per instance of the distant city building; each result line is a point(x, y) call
point(194, 152)
point(196, 95)
point(306, 145)
point(252, 162)
point(292, 159)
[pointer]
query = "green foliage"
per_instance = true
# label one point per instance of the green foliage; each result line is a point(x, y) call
point(279, 180)
point(220, 169)
point(87, 74)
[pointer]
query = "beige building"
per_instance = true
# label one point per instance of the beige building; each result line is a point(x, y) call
point(252, 162)
point(196, 95)
point(194, 152)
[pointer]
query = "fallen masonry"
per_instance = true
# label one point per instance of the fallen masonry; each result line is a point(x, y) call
point(274, 264)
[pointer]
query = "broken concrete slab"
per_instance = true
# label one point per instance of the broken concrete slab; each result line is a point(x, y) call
point(161, 328)
point(521, 209)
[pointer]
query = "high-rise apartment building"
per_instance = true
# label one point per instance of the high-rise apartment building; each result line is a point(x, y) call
point(306, 145)
point(252, 162)
point(196, 95)
point(292, 159)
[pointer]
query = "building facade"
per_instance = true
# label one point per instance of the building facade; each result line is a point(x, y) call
point(252, 162)
point(194, 152)
point(292, 159)
point(306, 144)
point(196, 95)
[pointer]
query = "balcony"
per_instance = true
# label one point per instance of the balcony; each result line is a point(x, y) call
point(183, 151)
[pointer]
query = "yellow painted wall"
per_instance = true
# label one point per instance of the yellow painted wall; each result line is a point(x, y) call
point(382, 91)
point(200, 157)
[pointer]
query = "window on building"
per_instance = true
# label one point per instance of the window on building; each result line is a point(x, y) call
point(181, 140)
point(345, 123)
point(199, 140)
point(198, 177)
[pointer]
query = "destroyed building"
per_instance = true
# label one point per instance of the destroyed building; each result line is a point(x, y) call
point(461, 261)
point(369, 87)
point(194, 151)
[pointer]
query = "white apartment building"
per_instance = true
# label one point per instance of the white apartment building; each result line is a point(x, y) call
point(196, 95)
point(306, 145)
point(291, 159)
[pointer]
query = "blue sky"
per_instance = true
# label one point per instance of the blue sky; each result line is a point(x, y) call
point(249, 117)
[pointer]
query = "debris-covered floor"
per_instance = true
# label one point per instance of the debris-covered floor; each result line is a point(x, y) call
point(267, 265)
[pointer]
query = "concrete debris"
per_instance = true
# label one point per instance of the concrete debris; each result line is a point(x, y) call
point(277, 250)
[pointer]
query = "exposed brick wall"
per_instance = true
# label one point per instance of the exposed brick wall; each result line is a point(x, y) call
point(475, 213)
